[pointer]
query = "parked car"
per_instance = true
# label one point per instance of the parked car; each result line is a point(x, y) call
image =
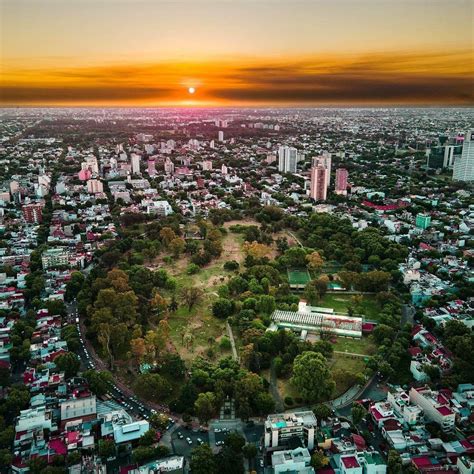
point(189, 440)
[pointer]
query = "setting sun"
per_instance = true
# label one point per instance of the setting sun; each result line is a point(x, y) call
point(191, 90)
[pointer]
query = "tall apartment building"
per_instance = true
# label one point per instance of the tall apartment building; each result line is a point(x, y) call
point(91, 164)
point(32, 213)
point(220, 136)
point(169, 166)
point(319, 183)
point(287, 159)
point(95, 186)
point(341, 181)
point(151, 167)
point(280, 428)
point(325, 159)
point(435, 407)
point(135, 163)
point(463, 169)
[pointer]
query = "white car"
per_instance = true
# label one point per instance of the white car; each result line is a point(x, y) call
point(189, 440)
point(217, 430)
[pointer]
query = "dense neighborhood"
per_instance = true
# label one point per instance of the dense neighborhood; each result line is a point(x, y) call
point(237, 290)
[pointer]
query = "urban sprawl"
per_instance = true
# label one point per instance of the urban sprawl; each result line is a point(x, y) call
point(237, 290)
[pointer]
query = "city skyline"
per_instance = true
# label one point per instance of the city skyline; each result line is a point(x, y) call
point(276, 52)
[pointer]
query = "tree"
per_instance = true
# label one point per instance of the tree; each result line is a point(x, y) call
point(142, 454)
point(177, 246)
point(358, 413)
point(312, 376)
point(148, 438)
point(316, 289)
point(205, 406)
point(394, 462)
point(74, 285)
point(319, 460)
point(322, 412)
point(256, 250)
point(315, 261)
point(138, 349)
point(68, 363)
point(106, 448)
point(249, 451)
point(222, 308)
point(152, 387)
point(73, 458)
point(167, 235)
point(159, 421)
point(235, 442)
point(6, 458)
point(202, 460)
point(99, 381)
point(192, 295)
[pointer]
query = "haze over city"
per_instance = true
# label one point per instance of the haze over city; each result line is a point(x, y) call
point(144, 52)
point(236, 237)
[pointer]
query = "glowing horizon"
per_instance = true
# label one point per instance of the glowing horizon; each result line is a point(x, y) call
point(273, 52)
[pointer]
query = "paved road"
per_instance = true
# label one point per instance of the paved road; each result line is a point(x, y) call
point(232, 341)
point(118, 390)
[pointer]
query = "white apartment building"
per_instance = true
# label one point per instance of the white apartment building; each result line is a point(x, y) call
point(280, 428)
point(296, 460)
point(55, 257)
point(400, 402)
point(287, 159)
point(135, 163)
point(463, 169)
point(435, 407)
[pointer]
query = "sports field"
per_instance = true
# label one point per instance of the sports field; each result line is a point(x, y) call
point(298, 278)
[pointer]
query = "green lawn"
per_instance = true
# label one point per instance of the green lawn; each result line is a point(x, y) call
point(340, 301)
point(356, 346)
point(342, 368)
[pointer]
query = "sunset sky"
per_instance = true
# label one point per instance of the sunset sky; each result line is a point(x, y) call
point(236, 52)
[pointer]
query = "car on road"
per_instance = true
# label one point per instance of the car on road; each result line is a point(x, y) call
point(180, 436)
point(219, 443)
point(189, 441)
point(217, 430)
point(200, 441)
point(262, 464)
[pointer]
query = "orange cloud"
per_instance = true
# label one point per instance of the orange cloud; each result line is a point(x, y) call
point(424, 77)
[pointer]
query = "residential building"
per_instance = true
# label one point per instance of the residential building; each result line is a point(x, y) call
point(95, 186)
point(435, 407)
point(207, 165)
point(341, 181)
point(220, 136)
point(422, 221)
point(287, 159)
point(280, 428)
point(463, 169)
point(84, 408)
point(319, 183)
point(33, 213)
point(135, 159)
point(55, 257)
point(151, 167)
point(295, 460)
